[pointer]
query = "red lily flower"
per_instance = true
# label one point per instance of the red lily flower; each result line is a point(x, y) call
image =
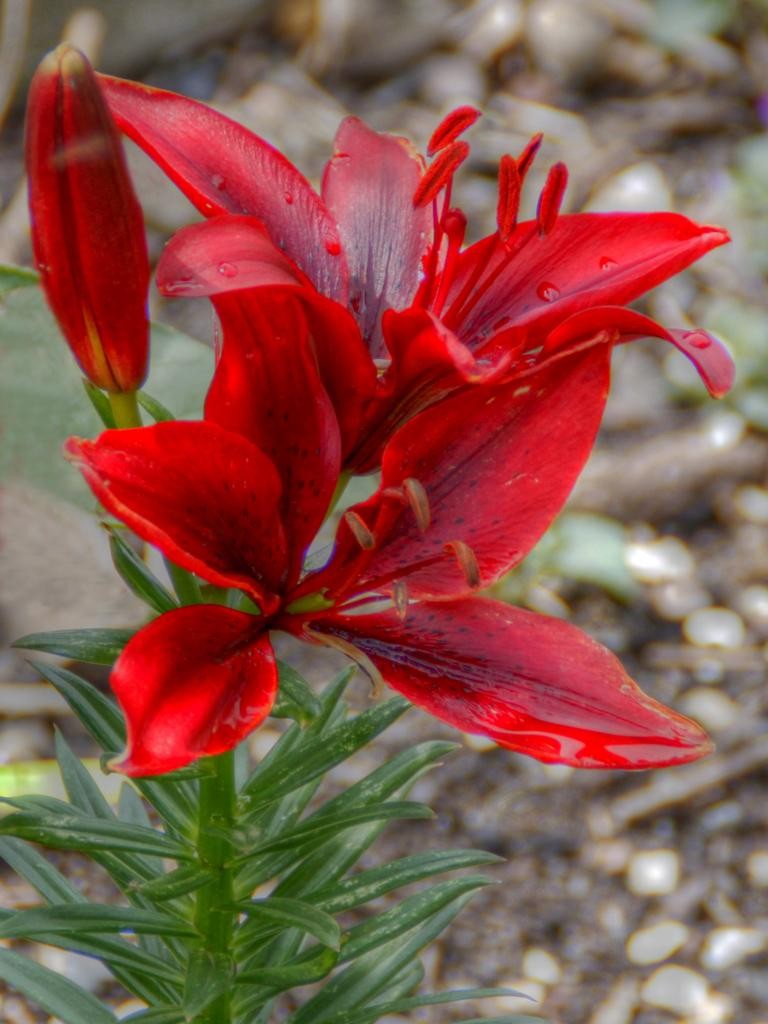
point(87, 225)
point(239, 503)
point(377, 259)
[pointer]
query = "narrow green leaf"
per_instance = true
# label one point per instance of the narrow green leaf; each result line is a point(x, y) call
point(96, 918)
point(32, 866)
point(371, 1014)
point(100, 715)
point(296, 698)
point(378, 930)
point(158, 412)
point(95, 646)
point(100, 403)
point(53, 992)
point(12, 277)
point(160, 1015)
point(288, 913)
point(375, 882)
point(269, 783)
point(144, 584)
point(364, 979)
point(78, 782)
point(91, 835)
point(314, 965)
point(207, 978)
point(312, 830)
point(179, 882)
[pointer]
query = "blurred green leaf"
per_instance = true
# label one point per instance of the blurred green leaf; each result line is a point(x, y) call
point(57, 996)
point(95, 646)
point(41, 392)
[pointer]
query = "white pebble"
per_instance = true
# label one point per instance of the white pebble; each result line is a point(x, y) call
point(726, 947)
point(678, 598)
point(494, 28)
point(567, 41)
point(714, 627)
point(540, 965)
point(482, 744)
point(657, 942)
point(724, 428)
point(641, 188)
point(653, 872)
point(90, 974)
point(659, 561)
point(711, 707)
point(619, 1005)
point(757, 868)
point(753, 603)
point(752, 503)
point(678, 989)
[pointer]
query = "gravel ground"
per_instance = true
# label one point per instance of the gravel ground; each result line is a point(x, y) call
point(625, 899)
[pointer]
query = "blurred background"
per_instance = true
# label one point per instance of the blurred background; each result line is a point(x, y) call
point(625, 899)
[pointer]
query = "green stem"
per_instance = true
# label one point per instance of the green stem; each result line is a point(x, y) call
point(214, 917)
point(125, 409)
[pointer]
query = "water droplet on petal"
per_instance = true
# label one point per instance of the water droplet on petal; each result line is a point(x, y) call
point(288, 198)
point(698, 339)
point(547, 291)
point(606, 263)
point(217, 181)
point(332, 246)
point(228, 269)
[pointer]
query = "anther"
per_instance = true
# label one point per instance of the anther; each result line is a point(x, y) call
point(439, 173)
point(467, 560)
point(360, 530)
point(419, 502)
point(551, 197)
point(510, 184)
point(400, 598)
point(526, 158)
point(451, 127)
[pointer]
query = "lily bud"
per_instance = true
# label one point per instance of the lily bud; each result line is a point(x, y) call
point(87, 226)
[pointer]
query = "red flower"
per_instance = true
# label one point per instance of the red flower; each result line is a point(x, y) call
point(466, 491)
point(87, 226)
point(401, 313)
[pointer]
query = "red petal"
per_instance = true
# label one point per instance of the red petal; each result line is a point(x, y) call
point(536, 685)
point(710, 357)
point(368, 186)
point(267, 387)
point(192, 683)
point(224, 254)
point(587, 259)
point(206, 497)
point(428, 362)
point(497, 464)
point(87, 225)
point(223, 167)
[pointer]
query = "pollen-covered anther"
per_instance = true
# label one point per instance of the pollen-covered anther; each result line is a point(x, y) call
point(551, 198)
point(467, 560)
point(419, 502)
point(400, 598)
point(360, 530)
point(451, 127)
point(439, 173)
point(510, 185)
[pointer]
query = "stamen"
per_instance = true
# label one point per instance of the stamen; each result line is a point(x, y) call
point(467, 560)
point(551, 197)
point(451, 127)
point(419, 502)
point(360, 658)
point(510, 185)
point(526, 158)
point(439, 173)
point(360, 530)
point(400, 599)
